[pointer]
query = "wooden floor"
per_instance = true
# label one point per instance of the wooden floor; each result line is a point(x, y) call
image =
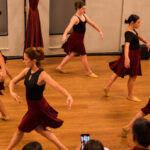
point(91, 112)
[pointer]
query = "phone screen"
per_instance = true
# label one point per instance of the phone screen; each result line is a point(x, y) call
point(84, 139)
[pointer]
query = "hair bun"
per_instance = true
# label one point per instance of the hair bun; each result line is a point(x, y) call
point(126, 21)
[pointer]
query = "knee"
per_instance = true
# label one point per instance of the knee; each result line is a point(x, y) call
point(19, 132)
point(133, 78)
point(38, 129)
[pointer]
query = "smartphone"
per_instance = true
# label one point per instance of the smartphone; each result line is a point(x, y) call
point(84, 139)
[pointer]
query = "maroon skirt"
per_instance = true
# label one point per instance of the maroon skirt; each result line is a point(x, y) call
point(39, 113)
point(146, 109)
point(135, 64)
point(75, 44)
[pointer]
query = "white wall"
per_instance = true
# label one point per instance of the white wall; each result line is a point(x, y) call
point(105, 13)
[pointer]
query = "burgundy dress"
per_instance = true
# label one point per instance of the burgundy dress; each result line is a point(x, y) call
point(134, 56)
point(2, 82)
point(75, 40)
point(137, 148)
point(146, 109)
point(39, 111)
point(33, 32)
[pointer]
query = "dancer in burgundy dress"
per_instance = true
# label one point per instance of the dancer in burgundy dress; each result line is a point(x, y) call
point(129, 62)
point(40, 114)
point(143, 112)
point(74, 45)
point(33, 32)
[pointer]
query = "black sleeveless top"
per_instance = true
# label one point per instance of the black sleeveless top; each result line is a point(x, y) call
point(80, 27)
point(133, 39)
point(33, 91)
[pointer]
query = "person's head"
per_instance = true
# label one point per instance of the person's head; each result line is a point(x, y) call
point(133, 20)
point(32, 146)
point(80, 6)
point(33, 56)
point(93, 145)
point(141, 132)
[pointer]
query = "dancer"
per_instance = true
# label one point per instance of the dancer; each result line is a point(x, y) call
point(74, 45)
point(129, 62)
point(4, 72)
point(143, 112)
point(40, 114)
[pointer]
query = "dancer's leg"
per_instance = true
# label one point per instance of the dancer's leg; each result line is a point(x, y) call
point(131, 82)
point(112, 79)
point(65, 60)
point(85, 64)
point(2, 109)
point(128, 127)
point(138, 115)
point(15, 139)
point(51, 137)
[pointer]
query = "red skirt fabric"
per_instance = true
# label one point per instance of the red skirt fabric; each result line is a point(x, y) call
point(33, 32)
point(39, 113)
point(75, 44)
point(146, 109)
point(135, 64)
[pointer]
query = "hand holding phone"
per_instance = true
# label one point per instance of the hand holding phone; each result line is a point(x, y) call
point(84, 139)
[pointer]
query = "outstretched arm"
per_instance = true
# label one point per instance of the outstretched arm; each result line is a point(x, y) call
point(94, 25)
point(47, 79)
point(72, 22)
point(15, 80)
point(3, 68)
point(145, 41)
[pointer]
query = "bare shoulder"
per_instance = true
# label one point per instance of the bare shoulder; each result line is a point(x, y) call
point(44, 74)
point(24, 71)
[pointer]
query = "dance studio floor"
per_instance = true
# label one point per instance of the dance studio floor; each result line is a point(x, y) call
point(91, 112)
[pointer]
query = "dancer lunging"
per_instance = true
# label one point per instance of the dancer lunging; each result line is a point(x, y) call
point(74, 44)
point(40, 114)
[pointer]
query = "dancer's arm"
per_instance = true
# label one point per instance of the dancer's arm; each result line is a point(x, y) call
point(73, 21)
point(14, 81)
point(3, 67)
point(126, 54)
point(94, 25)
point(145, 41)
point(47, 79)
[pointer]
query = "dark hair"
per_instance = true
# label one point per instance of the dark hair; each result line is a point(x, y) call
point(141, 131)
point(79, 4)
point(32, 146)
point(35, 53)
point(94, 145)
point(131, 18)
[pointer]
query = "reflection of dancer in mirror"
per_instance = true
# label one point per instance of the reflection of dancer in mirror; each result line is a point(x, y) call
point(4, 71)
point(40, 114)
point(143, 112)
point(74, 45)
point(129, 62)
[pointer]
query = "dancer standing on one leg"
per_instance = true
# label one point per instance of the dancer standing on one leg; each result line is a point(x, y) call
point(74, 45)
point(143, 112)
point(40, 114)
point(129, 62)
